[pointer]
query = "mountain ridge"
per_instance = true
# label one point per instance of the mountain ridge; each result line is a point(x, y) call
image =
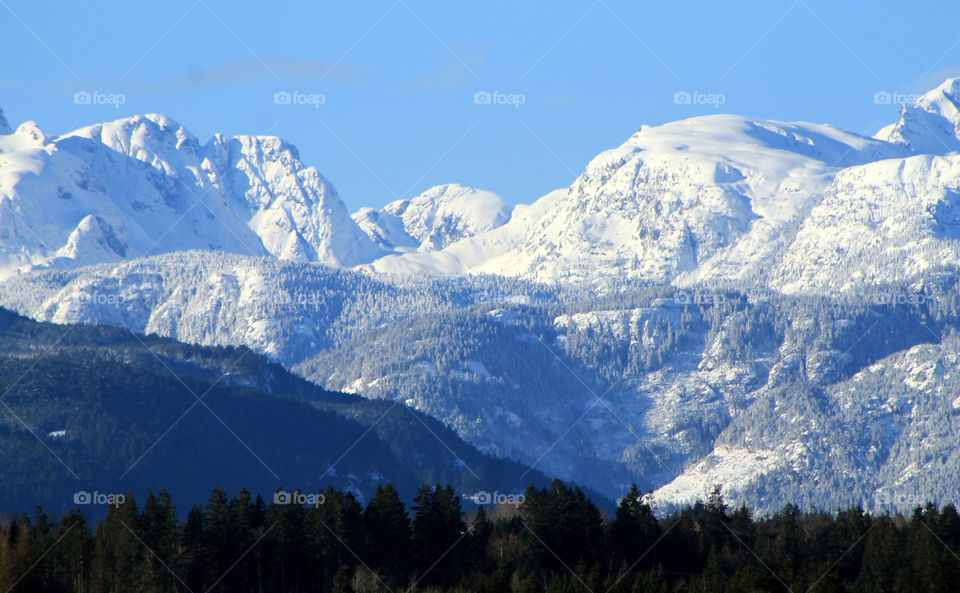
point(716, 198)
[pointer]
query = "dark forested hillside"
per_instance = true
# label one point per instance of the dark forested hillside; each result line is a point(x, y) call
point(102, 410)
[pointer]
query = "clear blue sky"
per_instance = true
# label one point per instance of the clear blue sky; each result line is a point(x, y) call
point(398, 78)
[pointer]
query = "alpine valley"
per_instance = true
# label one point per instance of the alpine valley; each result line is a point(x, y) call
point(771, 306)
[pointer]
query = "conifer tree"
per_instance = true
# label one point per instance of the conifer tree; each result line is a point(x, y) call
point(122, 557)
point(158, 526)
point(71, 557)
point(193, 551)
point(633, 531)
point(438, 530)
point(388, 535)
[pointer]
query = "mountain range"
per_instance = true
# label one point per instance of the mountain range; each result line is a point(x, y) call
point(769, 305)
point(714, 199)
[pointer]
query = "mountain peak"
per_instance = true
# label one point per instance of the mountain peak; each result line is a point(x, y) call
point(31, 130)
point(270, 143)
point(28, 135)
point(134, 182)
point(945, 97)
point(436, 218)
point(150, 133)
point(931, 125)
point(4, 126)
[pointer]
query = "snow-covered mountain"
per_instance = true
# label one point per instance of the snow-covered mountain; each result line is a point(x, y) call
point(710, 197)
point(436, 218)
point(890, 222)
point(894, 221)
point(145, 185)
point(718, 199)
point(932, 124)
point(737, 201)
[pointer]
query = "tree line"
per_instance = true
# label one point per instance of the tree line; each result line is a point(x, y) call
point(556, 540)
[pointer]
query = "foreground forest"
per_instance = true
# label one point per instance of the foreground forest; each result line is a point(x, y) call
point(550, 540)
